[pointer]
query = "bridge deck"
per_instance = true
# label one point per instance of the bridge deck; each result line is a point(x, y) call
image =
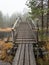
point(24, 55)
point(25, 34)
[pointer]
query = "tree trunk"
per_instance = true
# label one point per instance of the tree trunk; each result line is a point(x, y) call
point(47, 20)
point(42, 18)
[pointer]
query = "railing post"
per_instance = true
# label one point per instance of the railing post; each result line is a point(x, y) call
point(13, 35)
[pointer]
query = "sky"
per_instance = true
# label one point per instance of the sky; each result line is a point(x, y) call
point(11, 6)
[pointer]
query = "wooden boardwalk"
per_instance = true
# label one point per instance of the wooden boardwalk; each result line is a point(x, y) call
point(24, 55)
point(25, 34)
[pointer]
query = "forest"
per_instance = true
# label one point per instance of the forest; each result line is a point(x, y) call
point(40, 13)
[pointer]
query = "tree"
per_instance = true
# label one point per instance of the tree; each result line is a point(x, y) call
point(38, 9)
point(1, 19)
point(42, 17)
point(47, 19)
point(35, 10)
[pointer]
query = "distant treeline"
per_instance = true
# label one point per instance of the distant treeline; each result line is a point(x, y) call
point(6, 20)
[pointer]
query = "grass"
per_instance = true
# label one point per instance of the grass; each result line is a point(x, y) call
point(3, 51)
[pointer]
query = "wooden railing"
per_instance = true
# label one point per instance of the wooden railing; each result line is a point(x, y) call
point(14, 26)
point(13, 29)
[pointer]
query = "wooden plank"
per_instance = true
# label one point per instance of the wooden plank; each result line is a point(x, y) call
point(16, 59)
point(26, 55)
point(32, 58)
point(26, 39)
point(22, 55)
point(26, 42)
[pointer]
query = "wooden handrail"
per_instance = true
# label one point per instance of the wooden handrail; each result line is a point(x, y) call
point(13, 28)
point(15, 23)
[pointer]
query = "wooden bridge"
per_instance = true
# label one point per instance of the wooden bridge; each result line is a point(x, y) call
point(25, 37)
point(24, 55)
point(23, 33)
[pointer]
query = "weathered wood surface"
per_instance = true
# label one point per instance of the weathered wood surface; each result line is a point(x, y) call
point(24, 55)
point(27, 55)
point(25, 34)
point(17, 55)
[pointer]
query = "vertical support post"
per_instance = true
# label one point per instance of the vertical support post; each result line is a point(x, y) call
point(37, 38)
point(37, 25)
point(12, 35)
point(37, 31)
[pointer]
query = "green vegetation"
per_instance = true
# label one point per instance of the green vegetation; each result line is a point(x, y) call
point(39, 11)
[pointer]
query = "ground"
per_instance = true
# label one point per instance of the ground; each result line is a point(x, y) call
point(4, 47)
